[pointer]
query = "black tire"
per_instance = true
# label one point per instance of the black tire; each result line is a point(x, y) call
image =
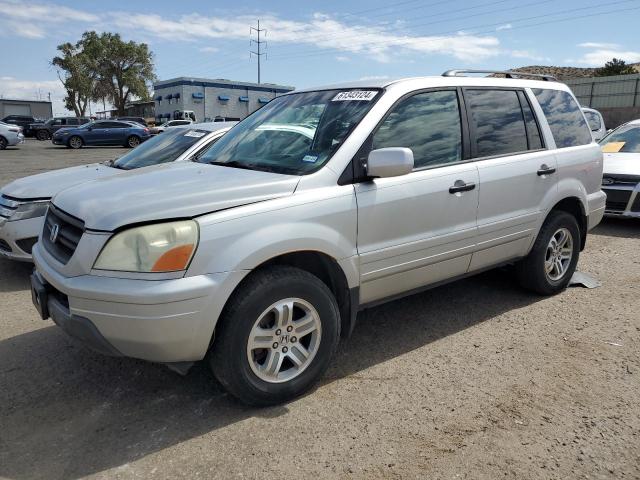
point(75, 142)
point(42, 135)
point(3, 143)
point(133, 141)
point(228, 357)
point(531, 270)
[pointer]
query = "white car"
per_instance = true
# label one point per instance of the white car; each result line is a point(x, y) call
point(259, 256)
point(621, 172)
point(169, 124)
point(596, 123)
point(23, 203)
point(10, 135)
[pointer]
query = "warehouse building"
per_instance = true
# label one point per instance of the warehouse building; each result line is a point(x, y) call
point(28, 108)
point(616, 97)
point(212, 99)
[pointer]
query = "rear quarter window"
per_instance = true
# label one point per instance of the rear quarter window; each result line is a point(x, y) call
point(564, 116)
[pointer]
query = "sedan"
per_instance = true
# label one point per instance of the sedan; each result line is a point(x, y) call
point(621, 172)
point(10, 135)
point(103, 132)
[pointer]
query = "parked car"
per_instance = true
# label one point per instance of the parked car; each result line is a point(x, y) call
point(621, 176)
point(23, 121)
point(102, 132)
point(171, 123)
point(139, 120)
point(10, 135)
point(596, 123)
point(44, 131)
point(23, 202)
point(276, 242)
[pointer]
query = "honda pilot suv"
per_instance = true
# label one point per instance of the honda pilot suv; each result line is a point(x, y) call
point(259, 255)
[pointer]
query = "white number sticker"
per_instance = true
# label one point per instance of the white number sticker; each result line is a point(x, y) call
point(355, 95)
point(194, 133)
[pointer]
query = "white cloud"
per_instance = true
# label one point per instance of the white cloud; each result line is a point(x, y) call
point(528, 55)
point(209, 49)
point(34, 20)
point(598, 45)
point(603, 52)
point(506, 26)
point(343, 58)
point(14, 88)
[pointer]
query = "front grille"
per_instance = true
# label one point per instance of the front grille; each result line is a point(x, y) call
point(617, 200)
point(8, 206)
point(619, 179)
point(69, 231)
point(4, 246)
point(635, 207)
point(26, 244)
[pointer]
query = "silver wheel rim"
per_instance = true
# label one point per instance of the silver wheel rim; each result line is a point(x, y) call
point(133, 142)
point(559, 254)
point(284, 340)
point(76, 142)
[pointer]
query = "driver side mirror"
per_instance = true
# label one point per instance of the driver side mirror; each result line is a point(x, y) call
point(389, 162)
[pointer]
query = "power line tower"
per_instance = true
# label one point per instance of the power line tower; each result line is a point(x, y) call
point(258, 44)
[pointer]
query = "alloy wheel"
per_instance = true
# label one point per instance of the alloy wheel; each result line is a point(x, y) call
point(559, 254)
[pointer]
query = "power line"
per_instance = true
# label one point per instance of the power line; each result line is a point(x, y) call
point(258, 43)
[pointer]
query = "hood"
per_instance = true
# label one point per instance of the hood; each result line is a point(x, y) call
point(169, 191)
point(621, 164)
point(46, 185)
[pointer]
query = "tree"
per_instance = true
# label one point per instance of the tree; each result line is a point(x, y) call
point(77, 76)
point(125, 69)
point(615, 67)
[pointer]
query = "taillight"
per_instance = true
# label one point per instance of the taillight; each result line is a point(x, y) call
point(146, 130)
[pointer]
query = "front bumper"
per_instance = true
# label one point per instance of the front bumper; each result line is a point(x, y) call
point(59, 140)
point(623, 200)
point(18, 237)
point(155, 320)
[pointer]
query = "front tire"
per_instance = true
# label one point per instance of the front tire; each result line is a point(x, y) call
point(552, 261)
point(133, 141)
point(3, 143)
point(276, 336)
point(42, 135)
point(75, 142)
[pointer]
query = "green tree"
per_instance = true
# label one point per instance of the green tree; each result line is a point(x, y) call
point(77, 76)
point(615, 67)
point(125, 70)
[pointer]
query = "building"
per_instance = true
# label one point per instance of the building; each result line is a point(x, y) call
point(137, 108)
point(616, 97)
point(212, 99)
point(29, 108)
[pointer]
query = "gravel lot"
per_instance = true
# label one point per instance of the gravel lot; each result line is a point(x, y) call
point(476, 379)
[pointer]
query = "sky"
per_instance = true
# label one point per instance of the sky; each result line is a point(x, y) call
point(318, 43)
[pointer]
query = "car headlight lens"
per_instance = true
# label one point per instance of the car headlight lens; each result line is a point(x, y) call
point(29, 210)
point(164, 247)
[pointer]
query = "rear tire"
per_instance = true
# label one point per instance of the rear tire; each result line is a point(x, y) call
point(133, 141)
point(3, 143)
point(75, 142)
point(276, 336)
point(42, 135)
point(552, 261)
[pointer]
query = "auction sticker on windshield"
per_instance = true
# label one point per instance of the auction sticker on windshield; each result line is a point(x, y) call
point(194, 133)
point(355, 95)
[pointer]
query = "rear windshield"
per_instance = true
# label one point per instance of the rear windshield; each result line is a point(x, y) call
point(625, 139)
point(594, 120)
point(160, 149)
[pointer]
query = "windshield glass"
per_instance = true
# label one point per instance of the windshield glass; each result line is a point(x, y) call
point(161, 149)
point(622, 140)
point(295, 134)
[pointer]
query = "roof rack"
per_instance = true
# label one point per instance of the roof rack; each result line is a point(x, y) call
point(506, 73)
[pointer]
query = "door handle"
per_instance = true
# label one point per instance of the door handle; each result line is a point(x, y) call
point(546, 170)
point(461, 186)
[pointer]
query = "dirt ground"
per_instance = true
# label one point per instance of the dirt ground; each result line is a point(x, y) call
point(477, 379)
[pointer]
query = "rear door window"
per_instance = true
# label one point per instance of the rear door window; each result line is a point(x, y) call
point(496, 122)
point(564, 116)
point(533, 130)
point(429, 124)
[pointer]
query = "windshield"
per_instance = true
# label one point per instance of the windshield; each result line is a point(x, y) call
point(625, 139)
point(160, 149)
point(594, 120)
point(295, 134)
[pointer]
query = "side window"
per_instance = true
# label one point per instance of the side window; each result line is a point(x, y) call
point(565, 119)
point(57, 122)
point(427, 123)
point(594, 120)
point(496, 121)
point(72, 121)
point(533, 131)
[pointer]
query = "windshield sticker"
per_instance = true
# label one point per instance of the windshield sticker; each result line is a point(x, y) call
point(355, 95)
point(310, 158)
point(194, 133)
point(613, 147)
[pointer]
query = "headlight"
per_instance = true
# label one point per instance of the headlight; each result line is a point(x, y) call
point(164, 247)
point(29, 210)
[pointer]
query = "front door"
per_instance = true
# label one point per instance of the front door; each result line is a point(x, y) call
point(420, 228)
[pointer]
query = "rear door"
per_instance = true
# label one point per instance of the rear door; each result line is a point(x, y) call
point(516, 172)
point(416, 229)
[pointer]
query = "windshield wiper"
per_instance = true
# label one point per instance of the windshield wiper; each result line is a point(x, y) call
point(237, 164)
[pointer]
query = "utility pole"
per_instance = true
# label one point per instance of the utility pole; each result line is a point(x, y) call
point(258, 43)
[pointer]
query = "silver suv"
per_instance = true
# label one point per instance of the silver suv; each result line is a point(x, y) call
point(322, 203)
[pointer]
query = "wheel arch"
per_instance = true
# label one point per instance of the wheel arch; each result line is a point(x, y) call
point(574, 206)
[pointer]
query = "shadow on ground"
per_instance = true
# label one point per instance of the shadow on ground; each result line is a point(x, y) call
point(618, 227)
point(14, 276)
point(67, 412)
